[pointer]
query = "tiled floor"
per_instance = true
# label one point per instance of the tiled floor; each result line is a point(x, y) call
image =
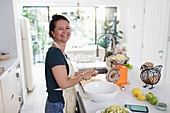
point(35, 100)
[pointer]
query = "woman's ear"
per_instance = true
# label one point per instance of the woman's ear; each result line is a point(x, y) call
point(52, 32)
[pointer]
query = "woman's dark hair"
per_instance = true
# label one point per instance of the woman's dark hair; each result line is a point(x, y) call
point(55, 18)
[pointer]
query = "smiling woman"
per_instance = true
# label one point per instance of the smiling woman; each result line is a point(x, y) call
point(59, 72)
point(82, 34)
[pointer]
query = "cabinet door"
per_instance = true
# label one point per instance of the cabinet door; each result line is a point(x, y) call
point(155, 31)
point(9, 86)
point(1, 102)
point(13, 106)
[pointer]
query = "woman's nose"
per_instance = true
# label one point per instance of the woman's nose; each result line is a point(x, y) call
point(64, 30)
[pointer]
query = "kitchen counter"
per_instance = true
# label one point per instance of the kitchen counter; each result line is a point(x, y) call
point(126, 96)
point(7, 64)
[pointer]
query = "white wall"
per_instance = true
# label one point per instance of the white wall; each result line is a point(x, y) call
point(167, 77)
point(7, 28)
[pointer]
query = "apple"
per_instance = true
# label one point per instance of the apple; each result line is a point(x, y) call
point(149, 95)
point(153, 100)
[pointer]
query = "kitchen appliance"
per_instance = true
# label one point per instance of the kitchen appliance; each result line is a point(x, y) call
point(150, 75)
point(27, 53)
point(118, 73)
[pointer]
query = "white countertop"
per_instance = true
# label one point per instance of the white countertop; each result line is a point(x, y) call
point(126, 97)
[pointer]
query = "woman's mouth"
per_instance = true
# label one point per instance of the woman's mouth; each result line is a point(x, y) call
point(64, 35)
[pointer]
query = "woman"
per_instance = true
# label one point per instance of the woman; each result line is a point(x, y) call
point(58, 71)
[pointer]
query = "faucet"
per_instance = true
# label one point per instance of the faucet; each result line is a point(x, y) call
point(112, 44)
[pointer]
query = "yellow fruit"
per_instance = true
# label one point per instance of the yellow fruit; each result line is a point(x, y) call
point(135, 91)
point(140, 97)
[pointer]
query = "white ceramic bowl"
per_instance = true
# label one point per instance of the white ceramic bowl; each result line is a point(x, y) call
point(101, 91)
point(4, 56)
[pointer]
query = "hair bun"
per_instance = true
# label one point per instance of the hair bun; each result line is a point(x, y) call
point(54, 16)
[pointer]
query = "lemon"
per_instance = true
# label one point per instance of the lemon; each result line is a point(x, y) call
point(140, 97)
point(135, 91)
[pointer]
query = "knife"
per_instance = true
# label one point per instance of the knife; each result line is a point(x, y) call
point(82, 87)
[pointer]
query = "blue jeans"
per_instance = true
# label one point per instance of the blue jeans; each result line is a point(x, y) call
point(54, 107)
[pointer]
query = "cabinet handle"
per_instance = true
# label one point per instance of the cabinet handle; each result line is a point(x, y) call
point(12, 97)
point(9, 71)
point(17, 75)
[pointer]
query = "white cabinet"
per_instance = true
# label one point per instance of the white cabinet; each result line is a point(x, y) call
point(13, 105)
point(9, 85)
point(10, 43)
point(9, 92)
point(1, 102)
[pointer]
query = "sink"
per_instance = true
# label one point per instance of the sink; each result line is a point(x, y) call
point(100, 66)
point(100, 71)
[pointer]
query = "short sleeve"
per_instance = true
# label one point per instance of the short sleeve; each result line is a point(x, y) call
point(55, 57)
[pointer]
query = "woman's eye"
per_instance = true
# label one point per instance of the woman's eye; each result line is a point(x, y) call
point(64, 28)
point(60, 28)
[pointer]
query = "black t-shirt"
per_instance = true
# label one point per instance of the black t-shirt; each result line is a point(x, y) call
point(54, 57)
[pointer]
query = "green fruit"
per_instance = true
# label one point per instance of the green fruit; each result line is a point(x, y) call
point(149, 95)
point(153, 100)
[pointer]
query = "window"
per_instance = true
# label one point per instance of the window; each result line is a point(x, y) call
point(39, 27)
point(87, 24)
point(106, 18)
point(82, 26)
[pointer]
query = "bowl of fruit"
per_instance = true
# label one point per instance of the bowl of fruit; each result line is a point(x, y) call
point(117, 59)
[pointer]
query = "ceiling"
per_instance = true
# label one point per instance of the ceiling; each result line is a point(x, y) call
point(73, 2)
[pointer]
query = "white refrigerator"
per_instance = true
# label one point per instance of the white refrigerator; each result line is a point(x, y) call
point(27, 53)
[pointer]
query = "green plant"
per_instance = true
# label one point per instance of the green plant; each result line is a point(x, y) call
point(39, 40)
point(113, 31)
point(28, 15)
point(104, 42)
point(128, 65)
point(109, 53)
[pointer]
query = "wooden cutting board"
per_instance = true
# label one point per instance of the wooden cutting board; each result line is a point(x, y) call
point(1, 69)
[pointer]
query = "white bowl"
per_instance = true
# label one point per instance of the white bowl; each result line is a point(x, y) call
point(4, 56)
point(101, 91)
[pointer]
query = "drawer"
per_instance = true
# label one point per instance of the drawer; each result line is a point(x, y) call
point(13, 105)
point(9, 86)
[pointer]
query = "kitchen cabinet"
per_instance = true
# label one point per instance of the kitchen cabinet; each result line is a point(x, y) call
point(10, 43)
point(1, 105)
point(9, 93)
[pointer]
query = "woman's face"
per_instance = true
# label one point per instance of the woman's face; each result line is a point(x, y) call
point(62, 31)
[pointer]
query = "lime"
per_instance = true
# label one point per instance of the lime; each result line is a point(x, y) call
point(153, 100)
point(149, 95)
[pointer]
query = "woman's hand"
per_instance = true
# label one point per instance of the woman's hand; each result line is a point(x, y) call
point(88, 74)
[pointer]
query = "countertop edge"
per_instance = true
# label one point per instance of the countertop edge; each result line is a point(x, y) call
point(7, 64)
